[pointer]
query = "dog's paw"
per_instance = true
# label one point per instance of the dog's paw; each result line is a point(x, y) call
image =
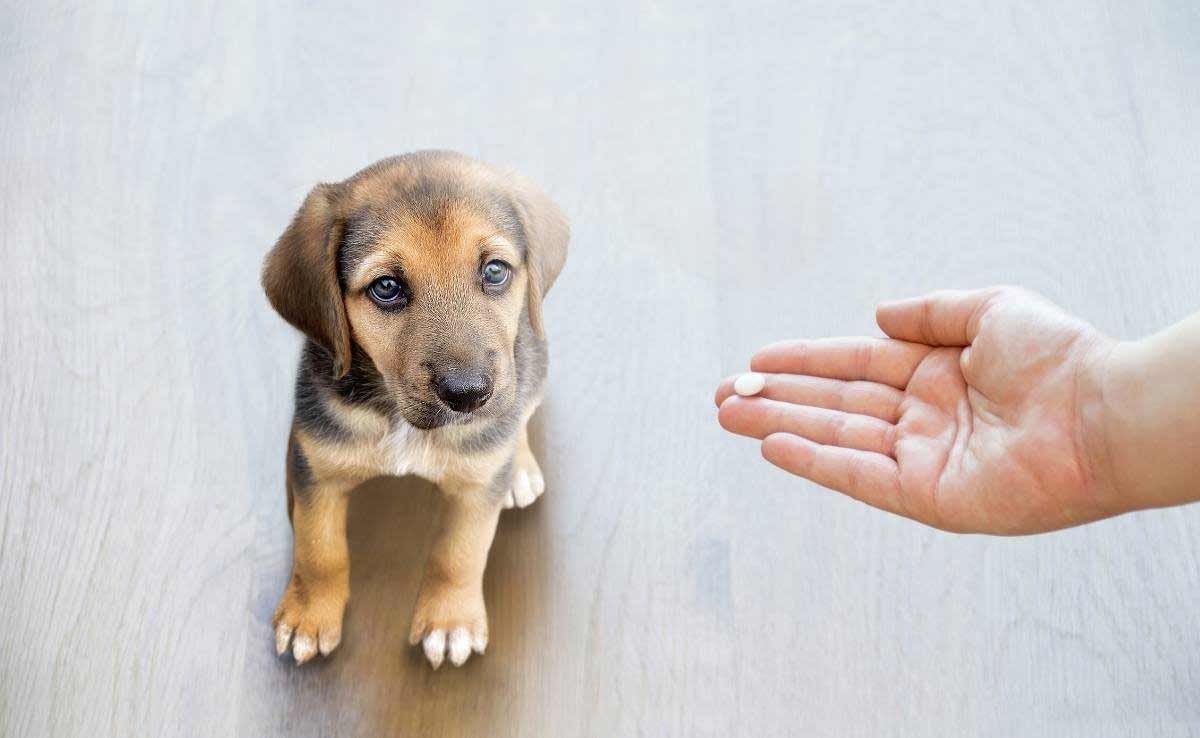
point(528, 484)
point(309, 619)
point(449, 622)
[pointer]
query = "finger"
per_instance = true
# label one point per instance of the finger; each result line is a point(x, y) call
point(867, 477)
point(725, 389)
point(944, 318)
point(871, 359)
point(863, 398)
point(759, 418)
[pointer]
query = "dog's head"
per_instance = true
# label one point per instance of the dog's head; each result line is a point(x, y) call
point(426, 262)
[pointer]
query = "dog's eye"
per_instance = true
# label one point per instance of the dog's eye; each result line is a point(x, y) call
point(387, 291)
point(495, 274)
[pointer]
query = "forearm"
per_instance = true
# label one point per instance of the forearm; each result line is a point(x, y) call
point(1151, 417)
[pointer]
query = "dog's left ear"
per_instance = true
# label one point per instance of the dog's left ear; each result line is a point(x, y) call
point(546, 236)
point(300, 275)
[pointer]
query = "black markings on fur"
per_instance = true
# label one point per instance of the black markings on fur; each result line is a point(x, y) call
point(299, 472)
point(501, 483)
point(531, 359)
point(313, 414)
point(427, 198)
point(359, 237)
point(492, 434)
point(315, 386)
point(364, 386)
point(503, 212)
point(299, 475)
point(425, 185)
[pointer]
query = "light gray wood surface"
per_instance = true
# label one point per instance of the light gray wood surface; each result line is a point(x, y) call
point(733, 175)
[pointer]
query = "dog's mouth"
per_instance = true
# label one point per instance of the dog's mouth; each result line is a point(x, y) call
point(427, 416)
point(431, 414)
point(426, 412)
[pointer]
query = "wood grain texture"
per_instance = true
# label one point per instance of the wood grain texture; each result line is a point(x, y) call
point(733, 175)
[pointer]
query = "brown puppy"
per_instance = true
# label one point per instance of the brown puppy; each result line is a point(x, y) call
point(419, 283)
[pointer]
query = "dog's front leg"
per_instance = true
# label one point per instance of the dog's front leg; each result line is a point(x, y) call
point(450, 616)
point(310, 613)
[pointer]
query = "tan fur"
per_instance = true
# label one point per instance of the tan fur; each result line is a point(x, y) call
point(435, 259)
point(451, 594)
point(300, 275)
point(315, 600)
point(438, 251)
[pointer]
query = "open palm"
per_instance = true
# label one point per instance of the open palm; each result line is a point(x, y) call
point(971, 417)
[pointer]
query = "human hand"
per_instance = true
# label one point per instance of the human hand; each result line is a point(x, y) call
point(980, 413)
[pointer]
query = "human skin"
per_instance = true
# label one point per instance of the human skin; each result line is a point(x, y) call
point(985, 411)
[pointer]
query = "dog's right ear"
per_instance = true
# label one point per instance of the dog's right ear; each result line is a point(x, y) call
point(546, 237)
point(300, 275)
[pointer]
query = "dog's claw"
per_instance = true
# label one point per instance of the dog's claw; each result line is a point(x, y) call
point(527, 486)
point(459, 646)
point(283, 636)
point(435, 647)
point(304, 648)
point(456, 646)
point(329, 640)
point(310, 625)
point(448, 625)
point(522, 489)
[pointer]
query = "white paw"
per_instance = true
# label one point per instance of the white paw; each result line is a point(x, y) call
point(309, 625)
point(449, 623)
point(526, 488)
point(457, 645)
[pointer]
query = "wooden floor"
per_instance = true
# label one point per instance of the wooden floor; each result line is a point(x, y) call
point(734, 175)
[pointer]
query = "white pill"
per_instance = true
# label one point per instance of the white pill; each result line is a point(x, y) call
point(749, 384)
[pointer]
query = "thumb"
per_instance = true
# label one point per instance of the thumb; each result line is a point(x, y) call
point(943, 318)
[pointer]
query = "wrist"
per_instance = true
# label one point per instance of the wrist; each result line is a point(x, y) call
point(1144, 433)
point(1103, 369)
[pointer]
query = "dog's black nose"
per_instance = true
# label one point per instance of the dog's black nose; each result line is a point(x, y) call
point(463, 390)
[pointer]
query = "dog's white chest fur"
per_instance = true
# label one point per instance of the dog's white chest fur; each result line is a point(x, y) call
point(432, 454)
point(414, 451)
point(403, 449)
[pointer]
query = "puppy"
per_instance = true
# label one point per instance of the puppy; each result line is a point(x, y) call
point(418, 283)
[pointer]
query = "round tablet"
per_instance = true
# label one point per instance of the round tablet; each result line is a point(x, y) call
point(749, 384)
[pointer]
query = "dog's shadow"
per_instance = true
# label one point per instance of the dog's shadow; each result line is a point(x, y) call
point(391, 524)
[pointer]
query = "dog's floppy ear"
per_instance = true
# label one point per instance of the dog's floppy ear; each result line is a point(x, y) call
point(300, 275)
point(546, 236)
